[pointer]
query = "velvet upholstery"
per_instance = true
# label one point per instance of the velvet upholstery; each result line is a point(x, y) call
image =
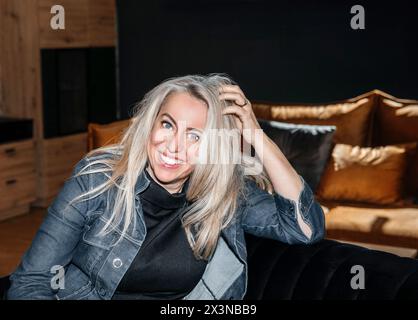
point(323, 271)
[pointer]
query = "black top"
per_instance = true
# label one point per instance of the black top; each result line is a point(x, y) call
point(165, 267)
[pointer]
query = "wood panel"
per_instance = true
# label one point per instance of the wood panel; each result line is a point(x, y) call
point(19, 58)
point(75, 33)
point(102, 23)
point(58, 157)
point(88, 23)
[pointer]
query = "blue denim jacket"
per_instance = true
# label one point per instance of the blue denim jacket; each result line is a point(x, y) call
point(93, 266)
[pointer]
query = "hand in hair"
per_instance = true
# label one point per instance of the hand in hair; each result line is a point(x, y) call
point(242, 109)
point(285, 179)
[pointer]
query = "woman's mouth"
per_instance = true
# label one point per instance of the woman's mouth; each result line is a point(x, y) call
point(169, 162)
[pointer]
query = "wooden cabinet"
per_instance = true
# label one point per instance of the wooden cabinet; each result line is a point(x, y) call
point(17, 178)
point(38, 169)
point(57, 159)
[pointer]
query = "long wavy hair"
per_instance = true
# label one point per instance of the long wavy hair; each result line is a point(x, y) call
point(214, 184)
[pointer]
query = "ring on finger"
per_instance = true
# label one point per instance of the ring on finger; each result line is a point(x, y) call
point(242, 105)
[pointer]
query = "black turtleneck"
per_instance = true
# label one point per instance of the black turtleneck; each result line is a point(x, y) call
point(165, 267)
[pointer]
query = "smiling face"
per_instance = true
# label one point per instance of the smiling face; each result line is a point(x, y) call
point(175, 140)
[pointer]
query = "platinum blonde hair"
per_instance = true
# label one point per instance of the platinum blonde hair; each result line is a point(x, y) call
point(211, 208)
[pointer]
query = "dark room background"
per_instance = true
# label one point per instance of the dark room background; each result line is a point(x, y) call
point(283, 51)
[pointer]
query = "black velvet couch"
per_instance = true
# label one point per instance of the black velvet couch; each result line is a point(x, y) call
point(321, 271)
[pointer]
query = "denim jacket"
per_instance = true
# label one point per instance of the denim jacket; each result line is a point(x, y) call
point(69, 260)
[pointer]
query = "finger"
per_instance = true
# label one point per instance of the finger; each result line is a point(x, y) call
point(234, 110)
point(231, 88)
point(238, 98)
point(237, 113)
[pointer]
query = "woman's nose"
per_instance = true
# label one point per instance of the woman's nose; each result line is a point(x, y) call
point(176, 143)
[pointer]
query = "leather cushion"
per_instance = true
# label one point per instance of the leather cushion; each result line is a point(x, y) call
point(352, 117)
point(100, 135)
point(372, 175)
point(396, 121)
point(386, 224)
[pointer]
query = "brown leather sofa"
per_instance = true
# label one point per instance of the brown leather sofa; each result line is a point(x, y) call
point(374, 198)
point(369, 188)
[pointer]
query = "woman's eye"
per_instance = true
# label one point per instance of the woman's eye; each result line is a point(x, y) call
point(166, 125)
point(193, 137)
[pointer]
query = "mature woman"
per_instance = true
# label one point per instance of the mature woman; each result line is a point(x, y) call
point(162, 213)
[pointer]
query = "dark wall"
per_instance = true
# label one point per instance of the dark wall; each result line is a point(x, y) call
point(287, 51)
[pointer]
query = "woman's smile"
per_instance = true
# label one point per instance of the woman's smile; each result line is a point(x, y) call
point(169, 162)
point(174, 143)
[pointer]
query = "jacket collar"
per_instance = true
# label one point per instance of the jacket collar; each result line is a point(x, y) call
point(141, 183)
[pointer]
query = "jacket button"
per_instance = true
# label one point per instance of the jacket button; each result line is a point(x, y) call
point(117, 263)
point(102, 291)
